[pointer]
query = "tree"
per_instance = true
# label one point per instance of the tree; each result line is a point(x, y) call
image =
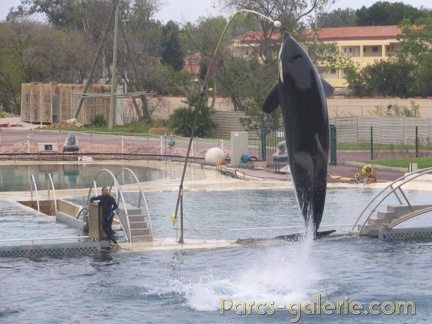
point(86, 16)
point(204, 38)
point(386, 13)
point(290, 13)
point(416, 44)
point(392, 78)
point(337, 18)
point(35, 52)
point(172, 53)
point(11, 76)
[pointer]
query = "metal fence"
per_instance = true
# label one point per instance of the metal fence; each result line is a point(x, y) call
point(384, 130)
point(39, 143)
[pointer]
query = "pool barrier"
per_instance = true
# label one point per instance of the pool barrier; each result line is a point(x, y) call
point(84, 245)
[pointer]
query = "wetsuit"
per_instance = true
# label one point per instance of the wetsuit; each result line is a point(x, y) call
point(108, 205)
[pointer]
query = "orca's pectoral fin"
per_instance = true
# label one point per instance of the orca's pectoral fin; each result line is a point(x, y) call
point(328, 88)
point(322, 234)
point(271, 102)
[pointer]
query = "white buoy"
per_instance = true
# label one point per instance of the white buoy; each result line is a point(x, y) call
point(214, 156)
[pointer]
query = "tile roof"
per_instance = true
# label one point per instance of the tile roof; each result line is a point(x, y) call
point(252, 37)
point(359, 32)
point(332, 34)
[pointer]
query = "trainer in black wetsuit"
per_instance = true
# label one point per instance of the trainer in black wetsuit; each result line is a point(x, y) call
point(108, 205)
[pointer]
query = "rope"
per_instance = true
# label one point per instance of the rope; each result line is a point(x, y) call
point(200, 103)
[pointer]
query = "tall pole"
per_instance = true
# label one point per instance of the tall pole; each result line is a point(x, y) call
point(114, 70)
point(134, 67)
point(99, 51)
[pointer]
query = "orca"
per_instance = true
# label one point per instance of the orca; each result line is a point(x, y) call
point(301, 94)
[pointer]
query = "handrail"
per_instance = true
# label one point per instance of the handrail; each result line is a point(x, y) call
point(395, 185)
point(33, 183)
point(141, 196)
point(411, 215)
point(51, 184)
point(84, 209)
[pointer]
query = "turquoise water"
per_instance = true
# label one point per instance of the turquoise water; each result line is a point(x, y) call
point(69, 176)
point(188, 286)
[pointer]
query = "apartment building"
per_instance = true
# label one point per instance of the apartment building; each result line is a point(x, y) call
point(364, 45)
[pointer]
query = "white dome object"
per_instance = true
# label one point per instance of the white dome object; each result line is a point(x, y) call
point(214, 156)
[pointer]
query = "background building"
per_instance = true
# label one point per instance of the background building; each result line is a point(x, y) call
point(363, 44)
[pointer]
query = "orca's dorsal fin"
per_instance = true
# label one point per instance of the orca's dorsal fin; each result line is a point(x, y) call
point(328, 88)
point(271, 102)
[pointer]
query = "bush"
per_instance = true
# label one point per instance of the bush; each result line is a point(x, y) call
point(99, 120)
point(181, 121)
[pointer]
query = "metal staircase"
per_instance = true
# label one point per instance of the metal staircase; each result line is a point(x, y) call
point(138, 230)
point(135, 220)
point(374, 223)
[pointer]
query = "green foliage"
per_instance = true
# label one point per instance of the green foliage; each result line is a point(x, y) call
point(165, 80)
point(181, 121)
point(408, 74)
point(328, 56)
point(380, 13)
point(392, 77)
point(172, 53)
point(416, 44)
point(337, 18)
point(204, 36)
point(259, 122)
point(385, 13)
point(99, 120)
point(252, 81)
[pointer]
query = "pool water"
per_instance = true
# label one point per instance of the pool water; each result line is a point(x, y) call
point(189, 286)
point(70, 176)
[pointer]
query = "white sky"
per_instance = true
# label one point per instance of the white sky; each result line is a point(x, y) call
point(190, 10)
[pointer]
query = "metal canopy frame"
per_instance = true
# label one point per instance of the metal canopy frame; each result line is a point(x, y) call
point(139, 94)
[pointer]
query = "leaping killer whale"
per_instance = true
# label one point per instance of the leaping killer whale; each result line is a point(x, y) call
point(301, 94)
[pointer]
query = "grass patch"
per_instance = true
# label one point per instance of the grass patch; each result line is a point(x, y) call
point(422, 162)
point(377, 147)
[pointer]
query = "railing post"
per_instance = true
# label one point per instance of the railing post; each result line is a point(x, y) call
point(333, 145)
point(263, 144)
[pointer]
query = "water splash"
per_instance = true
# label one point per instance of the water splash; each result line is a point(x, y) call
point(280, 274)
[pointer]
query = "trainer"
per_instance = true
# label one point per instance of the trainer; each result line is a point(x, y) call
point(108, 206)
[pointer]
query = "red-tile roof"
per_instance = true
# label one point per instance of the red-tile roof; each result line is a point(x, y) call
point(332, 34)
point(360, 32)
point(252, 37)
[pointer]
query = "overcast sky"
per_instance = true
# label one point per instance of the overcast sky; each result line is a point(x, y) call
point(190, 10)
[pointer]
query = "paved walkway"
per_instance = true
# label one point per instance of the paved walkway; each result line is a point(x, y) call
point(341, 173)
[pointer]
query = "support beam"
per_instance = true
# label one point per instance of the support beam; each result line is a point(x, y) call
point(114, 71)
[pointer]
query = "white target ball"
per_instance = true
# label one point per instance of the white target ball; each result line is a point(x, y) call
point(277, 24)
point(214, 156)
